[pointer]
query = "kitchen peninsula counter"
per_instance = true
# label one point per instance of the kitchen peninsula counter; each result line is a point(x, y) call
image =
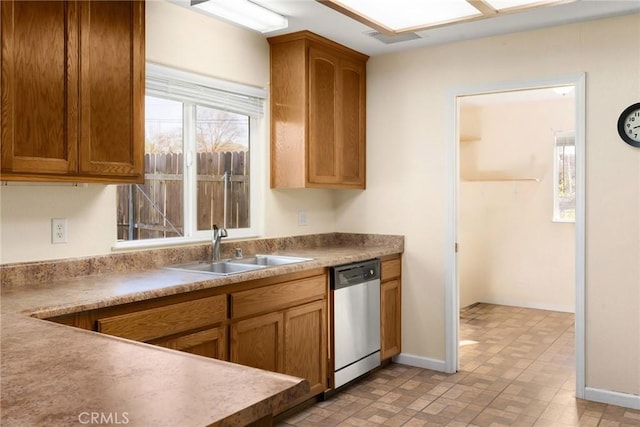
point(59, 375)
point(56, 375)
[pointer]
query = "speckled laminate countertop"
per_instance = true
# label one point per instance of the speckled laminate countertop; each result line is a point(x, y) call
point(57, 375)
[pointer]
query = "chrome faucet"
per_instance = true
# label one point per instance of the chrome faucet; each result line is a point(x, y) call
point(218, 234)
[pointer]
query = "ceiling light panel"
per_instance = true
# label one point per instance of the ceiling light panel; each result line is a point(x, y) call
point(512, 4)
point(405, 15)
point(243, 12)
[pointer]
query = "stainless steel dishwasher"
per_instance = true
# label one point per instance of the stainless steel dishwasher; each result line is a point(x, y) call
point(356, 319)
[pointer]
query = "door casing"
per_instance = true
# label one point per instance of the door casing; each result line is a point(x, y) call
point(452, 298)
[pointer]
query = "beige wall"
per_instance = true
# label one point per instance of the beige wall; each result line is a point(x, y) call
point(26, 212)
point(510, 250)
point(187, 40)
point(407, 99)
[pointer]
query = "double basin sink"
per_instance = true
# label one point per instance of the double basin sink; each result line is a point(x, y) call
point(240, 265)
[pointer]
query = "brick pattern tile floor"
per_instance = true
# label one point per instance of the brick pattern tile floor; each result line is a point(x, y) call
point(516, 369)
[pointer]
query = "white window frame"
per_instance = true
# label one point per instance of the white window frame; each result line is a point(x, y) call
point(556, 172)
point(196, 84)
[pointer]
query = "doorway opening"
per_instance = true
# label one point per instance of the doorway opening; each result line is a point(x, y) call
point(505, 232)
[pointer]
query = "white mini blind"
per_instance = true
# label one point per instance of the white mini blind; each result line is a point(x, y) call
point(565, 139)
point(191, 87)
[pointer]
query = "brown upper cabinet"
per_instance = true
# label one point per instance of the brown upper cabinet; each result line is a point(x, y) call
point(318, 90)
point(73, 91)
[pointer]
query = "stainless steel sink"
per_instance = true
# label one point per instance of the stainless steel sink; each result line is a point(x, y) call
point(220, 268)
point(267, 260)
point(235, 266)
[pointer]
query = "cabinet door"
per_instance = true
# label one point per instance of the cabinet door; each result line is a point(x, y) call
point(209, 343)
point(112, 89)
point(259, 342)
point(390, 327)
point(322, 143)
point(305, 344)
point(39, 87)
point(351, 123)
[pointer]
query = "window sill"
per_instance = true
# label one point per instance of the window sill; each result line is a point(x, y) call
point(130, 245)
point(566, 221)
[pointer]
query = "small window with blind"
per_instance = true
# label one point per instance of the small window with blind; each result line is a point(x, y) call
point(198, 137)
point(564, 172)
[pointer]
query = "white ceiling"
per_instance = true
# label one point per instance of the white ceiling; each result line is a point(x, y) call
point(313, 16)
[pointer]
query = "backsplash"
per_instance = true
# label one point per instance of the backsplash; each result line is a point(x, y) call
point(19, 274)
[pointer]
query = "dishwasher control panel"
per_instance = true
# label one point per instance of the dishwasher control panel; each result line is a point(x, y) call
point(351, 274)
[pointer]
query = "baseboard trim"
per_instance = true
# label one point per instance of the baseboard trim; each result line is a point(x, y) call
point(529, 304)
point(420, 362)
point(631, 401)
point(625, 400)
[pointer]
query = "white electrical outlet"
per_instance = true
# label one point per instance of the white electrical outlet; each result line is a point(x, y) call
point(302, 218)
point(58, 230)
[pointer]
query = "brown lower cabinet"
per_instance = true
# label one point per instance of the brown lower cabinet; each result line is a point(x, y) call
point(210, 342)
point(305, 344)
point(278, 324)
point(390, 308)
point(259, 342)
point(282, 328)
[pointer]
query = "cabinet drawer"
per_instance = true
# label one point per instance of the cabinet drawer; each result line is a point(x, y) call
point(275, 297)
point(157, 322)
point(390, 269)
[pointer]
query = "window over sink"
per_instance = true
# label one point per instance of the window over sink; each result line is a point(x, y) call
point(199, 135)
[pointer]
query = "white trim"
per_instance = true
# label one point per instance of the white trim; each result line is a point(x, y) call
point(612, 397)
point(169, 242)
point(451, 294)
point(258, 165)
point(580, 232)
point(451, 299)
point(562, 221)
point(189, 215)
point(420, 362)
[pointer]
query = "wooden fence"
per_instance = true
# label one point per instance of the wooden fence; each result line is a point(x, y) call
point(155, 209)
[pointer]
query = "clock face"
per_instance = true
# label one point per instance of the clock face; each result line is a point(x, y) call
point(629, 125)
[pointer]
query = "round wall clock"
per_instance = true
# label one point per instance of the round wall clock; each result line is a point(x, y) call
point(629, 125)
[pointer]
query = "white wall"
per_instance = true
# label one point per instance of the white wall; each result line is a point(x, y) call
point(407, 99)
point(183, 39)
point(510, 250)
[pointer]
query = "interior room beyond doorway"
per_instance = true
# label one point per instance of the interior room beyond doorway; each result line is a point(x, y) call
point(516, 230)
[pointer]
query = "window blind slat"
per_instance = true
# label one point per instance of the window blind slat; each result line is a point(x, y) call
point(184, 86)
point(565, 141)
point(564, 138)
